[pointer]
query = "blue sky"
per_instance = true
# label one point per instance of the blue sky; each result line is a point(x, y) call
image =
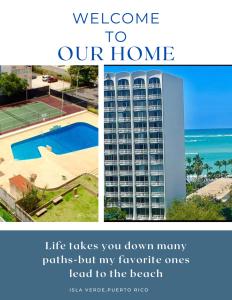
point(207, 93)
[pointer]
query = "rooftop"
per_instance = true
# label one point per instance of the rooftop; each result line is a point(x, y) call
point(20, 182)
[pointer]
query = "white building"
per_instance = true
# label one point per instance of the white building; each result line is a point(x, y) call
point(144, 143)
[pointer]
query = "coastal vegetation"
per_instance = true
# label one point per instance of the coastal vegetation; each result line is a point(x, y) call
point(200, 208)
point(195, 167)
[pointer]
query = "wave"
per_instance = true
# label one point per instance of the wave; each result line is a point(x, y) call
point(195, 141)
point(208, 136)
point(191, 153)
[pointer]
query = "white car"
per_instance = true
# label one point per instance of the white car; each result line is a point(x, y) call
point(45, 77)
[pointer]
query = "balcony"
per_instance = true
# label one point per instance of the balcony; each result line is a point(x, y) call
point(111, 183)
point(109, 98)
point(142, 205)
point(156, 151)
point(125, 151)
point(155, 129)
point(140, 151)
point(142, 217)
point(140, 140)
point(123, 108)
point(109, 130)
point(154, 107)
point(126, 205)
point(154, 85)
point(124, 141)
point(141, 172)
point(112, 204)
point(109, 120)
point(125, 162)
point(123, 87)
point(157, 194)
point(139, 97)
point(126, 183)
point(111, 173)
point(111, 194)
point(140, 129)
point(155, 118)
point(157, 162)
point(123, 98)
point(157, 205)
point(139, 86)
point(108, 87)
point(140, 119)
point(110, 162)
point(154, 96)
point(139, 108)
point(110, 141)
point(157, 172)
point(124, 130)
point(142, 194)
point(126, 194)
point(110, 151)
point(141, 161)
point(109, 109)
point(125, 172)
point(141, 183)
point(156, 140)
point(157, 183)
point(157, 217)
point(124, 119)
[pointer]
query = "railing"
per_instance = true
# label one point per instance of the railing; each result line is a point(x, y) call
point(111, 162)
point(157, 217)
point(139, 86)
point(124, 205)
point(154, 96)
point(111, 173)
point(154, 107)
point(108, 87)
point(110, 151)
point(141, 172)
point(111, 183)
point(156, 151)
point(112, 204)
point(139, 97)
point(157, 205)
point(123, 97)
point(138, 129)
point(142, 217)
point(126, 183)
point(141, 183)
point(157, 194)
point(139, 108)
point(109, 109)
point(110, 130)
point(125, 151)
point(125, 172)
point(155, 129)
point(153, 85)
point(123, 108)
point(125, 162)
point(109, 120)
point(142, 194)
point(126, 194)
point(140, 151)
point(156, 140)
point(140, 140)
point(108, 98)
point(155, 118)
point(141, 205)
point(111, 194)
point(123, 87)
point(124, 119)
point(109, 141)
point(157, 172)
point(124, 141)
point(124, 130)
point(140, 119)
point(157, 183)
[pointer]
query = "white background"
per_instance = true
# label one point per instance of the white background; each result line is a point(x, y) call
point(32, 32)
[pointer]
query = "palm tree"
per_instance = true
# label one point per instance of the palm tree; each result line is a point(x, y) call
point(198, 168)
point(224, 163)
point(198, 159)
point(229, 162)
point(207, 168)
point(188, 160)
point(218, 164)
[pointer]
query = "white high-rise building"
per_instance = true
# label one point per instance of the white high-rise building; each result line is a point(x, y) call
point(144, 143)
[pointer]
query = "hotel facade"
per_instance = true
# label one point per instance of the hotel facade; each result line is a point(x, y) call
point(144, 143)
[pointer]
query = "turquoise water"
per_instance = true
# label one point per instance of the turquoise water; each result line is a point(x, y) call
point(211, 144)
point(63, 140)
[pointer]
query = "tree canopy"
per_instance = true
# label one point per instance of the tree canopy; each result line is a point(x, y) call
point(114, 214)
point(11, 84)
point(199, 208)
point(85, 75)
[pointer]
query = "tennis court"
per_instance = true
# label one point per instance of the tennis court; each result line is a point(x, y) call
point(26, 114)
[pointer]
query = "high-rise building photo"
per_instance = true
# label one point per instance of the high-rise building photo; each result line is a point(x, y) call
point(144, 143)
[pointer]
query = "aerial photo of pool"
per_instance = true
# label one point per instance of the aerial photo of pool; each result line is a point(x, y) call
point(63, 140)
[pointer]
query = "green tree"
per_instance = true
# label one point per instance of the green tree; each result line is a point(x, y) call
point(11, 84)
point(207, 168)
point(114, 214)
point(189, 161)
point(195, 209)
point(218, 164)
point(83, 75)
point(30, 200)
point(224, 163)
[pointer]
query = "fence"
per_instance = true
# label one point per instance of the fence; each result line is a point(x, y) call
point(11, 204)
point(22, 96)
point(73, 99)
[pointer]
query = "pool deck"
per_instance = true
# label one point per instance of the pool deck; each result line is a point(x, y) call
point(50, 168)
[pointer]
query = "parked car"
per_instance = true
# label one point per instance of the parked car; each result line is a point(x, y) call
point(34, 76)
point(52, 79)
point(45, 77)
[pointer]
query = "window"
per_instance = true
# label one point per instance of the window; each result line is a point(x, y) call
point(108, 82)
point(123, 82)
point(154, 80)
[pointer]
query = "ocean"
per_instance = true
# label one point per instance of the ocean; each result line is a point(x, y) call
point(210, 144)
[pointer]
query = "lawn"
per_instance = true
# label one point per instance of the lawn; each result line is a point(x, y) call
point(71, 209)
point(6, 215)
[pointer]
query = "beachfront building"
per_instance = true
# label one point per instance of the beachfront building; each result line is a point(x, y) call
point(23, 72)
point(144, 143)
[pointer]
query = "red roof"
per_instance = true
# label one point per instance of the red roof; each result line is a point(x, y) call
point(20, 183)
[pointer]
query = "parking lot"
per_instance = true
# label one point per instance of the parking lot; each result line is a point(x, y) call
point(59, 85)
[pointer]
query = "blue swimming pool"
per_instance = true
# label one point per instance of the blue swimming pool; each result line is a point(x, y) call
point(62, 140)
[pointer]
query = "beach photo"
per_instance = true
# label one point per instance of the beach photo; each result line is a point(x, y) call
point(49, 143)
point(168, 143)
